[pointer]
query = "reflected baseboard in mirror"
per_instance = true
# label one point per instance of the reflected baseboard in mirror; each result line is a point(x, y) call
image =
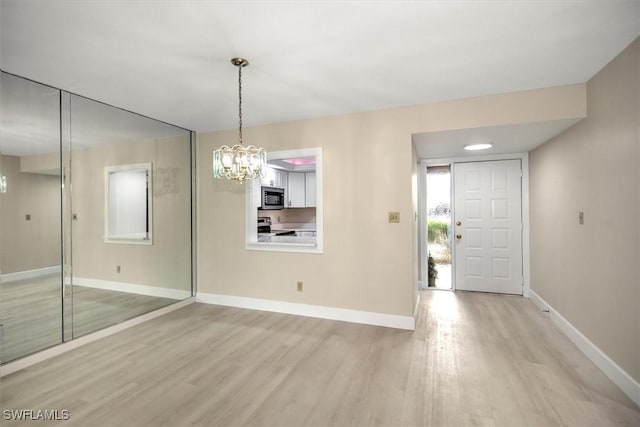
point(31, 312)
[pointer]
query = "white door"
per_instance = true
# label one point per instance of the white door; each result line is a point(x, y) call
point(488, 226)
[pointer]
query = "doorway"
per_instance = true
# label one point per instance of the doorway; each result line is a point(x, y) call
point(439, 271)
point(475, 227)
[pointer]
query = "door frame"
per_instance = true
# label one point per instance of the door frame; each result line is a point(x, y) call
point(422, 211)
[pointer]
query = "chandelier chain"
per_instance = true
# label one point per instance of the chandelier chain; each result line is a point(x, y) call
point(239, 163)
point(240, 103)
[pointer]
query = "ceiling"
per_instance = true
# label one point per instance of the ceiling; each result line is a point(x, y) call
point(508, 139)
point(30, 121)
point(170, 60)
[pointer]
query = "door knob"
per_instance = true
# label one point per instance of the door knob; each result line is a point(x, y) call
point(458, 236)
point(458, 223)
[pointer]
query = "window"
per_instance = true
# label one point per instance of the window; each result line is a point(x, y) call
point(298, 226)
point(128, 207)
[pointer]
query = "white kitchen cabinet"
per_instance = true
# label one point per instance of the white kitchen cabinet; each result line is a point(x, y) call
point(301, 190)
point(296, 190)
point(281, 179)
point(269, 177)
point(310, 189)
point(274, 178)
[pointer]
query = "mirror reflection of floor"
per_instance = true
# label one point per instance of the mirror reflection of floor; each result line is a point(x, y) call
point(31, 311)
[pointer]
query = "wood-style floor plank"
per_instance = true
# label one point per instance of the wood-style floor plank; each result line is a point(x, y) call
point(31, 312)
point(474, 360)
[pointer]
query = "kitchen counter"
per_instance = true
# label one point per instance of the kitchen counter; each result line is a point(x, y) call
point(299, 240)
point(296, 229)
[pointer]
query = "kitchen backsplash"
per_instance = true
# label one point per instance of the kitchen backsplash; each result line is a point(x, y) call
point(291, 218)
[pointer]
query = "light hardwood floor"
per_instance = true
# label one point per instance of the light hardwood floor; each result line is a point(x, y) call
point(474, 359)
point(31, 312)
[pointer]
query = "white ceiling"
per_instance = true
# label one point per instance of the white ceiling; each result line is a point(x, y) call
point(30, 121)
point(170, 59)
point(509, 139)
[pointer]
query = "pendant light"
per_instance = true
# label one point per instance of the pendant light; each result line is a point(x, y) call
point(239, 163)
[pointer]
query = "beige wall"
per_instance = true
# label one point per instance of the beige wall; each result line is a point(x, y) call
point(590, 273)
point(28, 245)
point(166, 263)
point(369, 166)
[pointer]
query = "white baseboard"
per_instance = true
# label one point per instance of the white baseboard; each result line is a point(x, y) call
point(132, 288)
point(415, 308)
point(30, 274)
point(319, 311)
point(27, 361)
point(622, 379)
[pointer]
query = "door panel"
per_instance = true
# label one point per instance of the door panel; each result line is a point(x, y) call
point(488, 230)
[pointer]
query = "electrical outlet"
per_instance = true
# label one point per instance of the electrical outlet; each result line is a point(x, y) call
point(117, 269)
point(299, 287)
point(581, 218)
point(27, 217)
point(394, 217)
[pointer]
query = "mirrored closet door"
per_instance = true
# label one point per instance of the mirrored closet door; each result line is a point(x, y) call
point(30, 218)
point(96, 219)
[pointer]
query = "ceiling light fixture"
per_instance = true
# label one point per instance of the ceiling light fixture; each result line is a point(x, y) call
point(239, 163)
point(477, 147)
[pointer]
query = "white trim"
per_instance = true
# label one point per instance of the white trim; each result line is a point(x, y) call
point(526, 268)
point(310, 248)
point(252, 202)
point(319, 311)
point(142, 238)
point(422, 224)
point(30, 274)
point(27, 361)
point(622, 379)
point(132, 288)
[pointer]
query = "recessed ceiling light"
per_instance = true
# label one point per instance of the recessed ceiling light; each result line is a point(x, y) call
point(476, 147)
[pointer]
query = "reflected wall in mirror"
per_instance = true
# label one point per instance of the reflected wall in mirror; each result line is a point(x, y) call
point(30, 215)
point(128, 207)
point(296, 224)
point(111, 281)
point(55, 147)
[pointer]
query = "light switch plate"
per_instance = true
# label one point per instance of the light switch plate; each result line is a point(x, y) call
point(394, 217)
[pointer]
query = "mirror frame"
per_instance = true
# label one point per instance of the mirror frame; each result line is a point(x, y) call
point(108, 171)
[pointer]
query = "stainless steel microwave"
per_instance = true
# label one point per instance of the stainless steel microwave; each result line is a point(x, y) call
point(272, 198)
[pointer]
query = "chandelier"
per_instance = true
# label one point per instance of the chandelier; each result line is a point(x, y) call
point(239, 163)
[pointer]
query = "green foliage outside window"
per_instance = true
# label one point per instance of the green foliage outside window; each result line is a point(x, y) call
point(437, 231)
